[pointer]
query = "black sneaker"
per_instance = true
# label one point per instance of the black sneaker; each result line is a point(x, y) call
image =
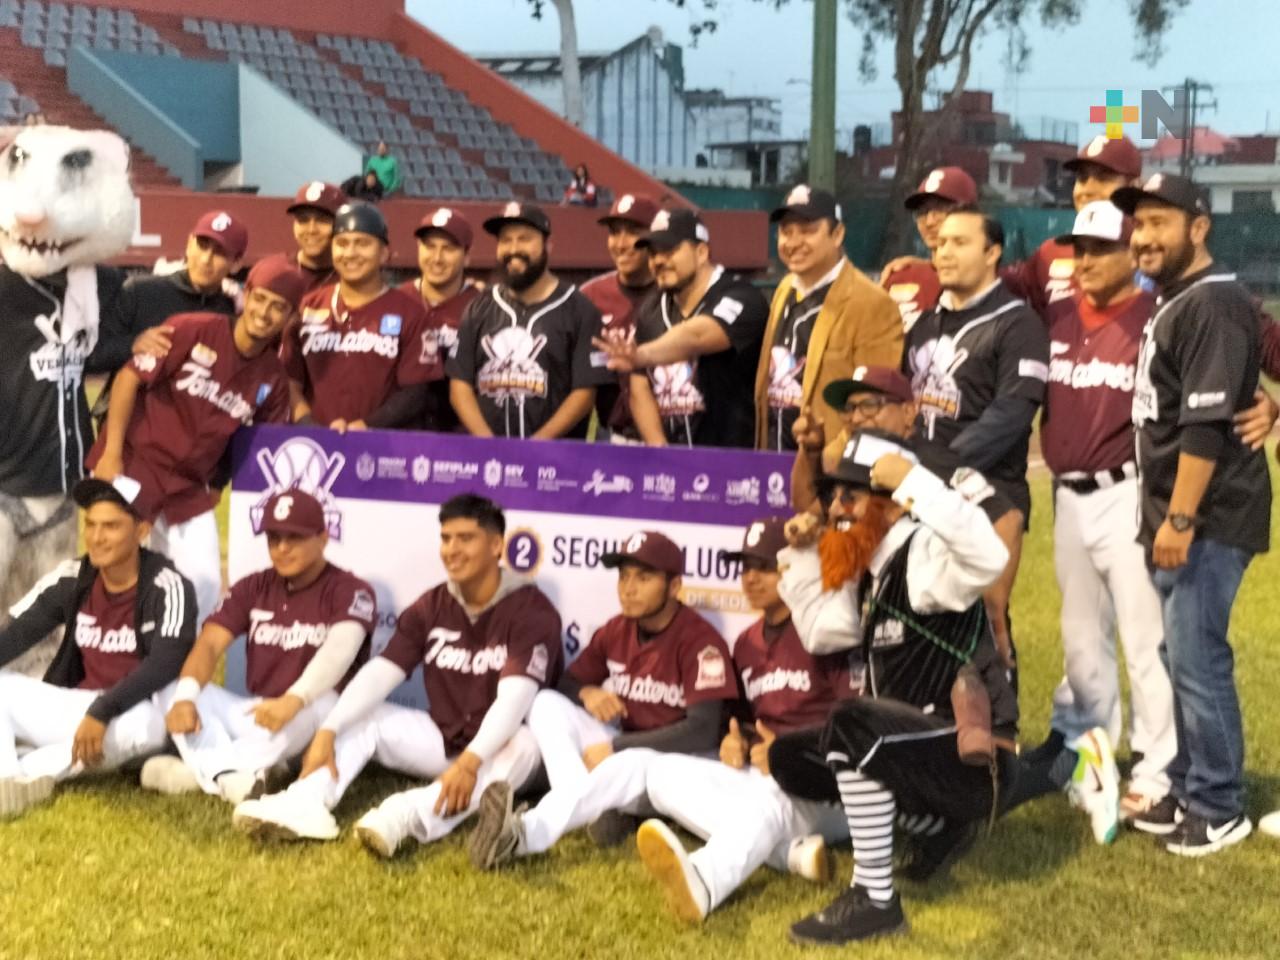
point(930, 856)
point(1162, 819)
point(1198, 836)
point(1047, 751)
point(612, 828)
point(852, 916)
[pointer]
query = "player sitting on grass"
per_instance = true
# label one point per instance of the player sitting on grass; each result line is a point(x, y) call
point(305, 622)
point(128, 619)
point(486, 640)
point(732, 802)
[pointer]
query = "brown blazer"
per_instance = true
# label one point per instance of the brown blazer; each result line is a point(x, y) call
point(859, 325)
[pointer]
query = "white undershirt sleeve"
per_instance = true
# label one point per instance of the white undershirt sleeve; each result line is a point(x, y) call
point(331, 661)
point(504, 716)
point(368, 688)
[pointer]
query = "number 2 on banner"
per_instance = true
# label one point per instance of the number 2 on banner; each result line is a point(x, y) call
point(524, 551)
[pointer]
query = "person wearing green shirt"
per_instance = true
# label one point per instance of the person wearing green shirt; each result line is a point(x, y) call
point(385, 167)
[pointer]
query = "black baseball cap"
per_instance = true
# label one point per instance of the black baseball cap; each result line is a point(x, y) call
point(808, 204)
point(360, 217)
point(862, 451)
point(1167, 188)
point(670, 228)
point(516, 212)
point(122, 491)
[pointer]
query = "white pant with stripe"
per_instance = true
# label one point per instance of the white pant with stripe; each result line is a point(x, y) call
point(194, 549)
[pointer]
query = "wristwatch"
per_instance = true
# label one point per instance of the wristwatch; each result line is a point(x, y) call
point(1181, 522)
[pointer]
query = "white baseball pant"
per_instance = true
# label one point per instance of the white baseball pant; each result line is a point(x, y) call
point(1103, 578)
point(44, 718)
point(563, 730)
point(193, 547)
point(407, 740)
point(230, 740)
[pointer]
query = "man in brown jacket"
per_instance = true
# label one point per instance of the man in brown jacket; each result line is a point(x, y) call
point(826, 320)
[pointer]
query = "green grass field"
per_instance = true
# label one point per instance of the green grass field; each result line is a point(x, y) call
point(109, 871)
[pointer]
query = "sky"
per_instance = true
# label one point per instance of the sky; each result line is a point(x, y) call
point(760, 50)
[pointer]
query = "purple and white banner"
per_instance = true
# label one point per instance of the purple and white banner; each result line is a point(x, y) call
point(566, 503)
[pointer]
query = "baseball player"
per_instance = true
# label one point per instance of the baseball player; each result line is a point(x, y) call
point(128, 620)
point(359, 358)
point(305, 623)
point(444, 242)
point(979, 362)
point(170, 420)
point(312, 211)
point(656, 676)
point(618, 295)
point(487, 641)
point(523, 364)
point(697, 344)
point(912, 283)
point(899, 577)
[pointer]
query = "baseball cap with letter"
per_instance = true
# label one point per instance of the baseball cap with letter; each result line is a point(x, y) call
point(360, 217)
point(530, 214)
point(293, 511)
point(808, 204)
point(883, 380)
point(224, 230)
point(1118, 156)
point(761, 541)
point(279, 275)
point(650, 549)
point(949, 183)
point(448, 221)
point(670, 228)
point(1101, 220)
point(122, 491)
point(631, 208)
point(1167, 188)
point(318, 195)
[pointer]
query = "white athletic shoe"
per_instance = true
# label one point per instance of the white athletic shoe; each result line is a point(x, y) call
point(380, 832)
point(667, 861)
point(1270, 824)
point(807, 857)
point(285, 816)
point(237, 786)
point(168, 774)
point(19, 794)
point(1095, 783)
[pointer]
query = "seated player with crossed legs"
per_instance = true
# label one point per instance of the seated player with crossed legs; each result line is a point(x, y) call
point(657, 676)
point(487, 641)
point(305, 623)
point(128, 619)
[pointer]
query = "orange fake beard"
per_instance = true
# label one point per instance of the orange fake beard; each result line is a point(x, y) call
point(846, 554)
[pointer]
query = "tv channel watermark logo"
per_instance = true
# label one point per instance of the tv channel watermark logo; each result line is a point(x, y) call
point(1155, 112)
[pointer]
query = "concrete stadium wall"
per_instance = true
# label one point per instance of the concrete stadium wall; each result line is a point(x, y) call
point(272, 126)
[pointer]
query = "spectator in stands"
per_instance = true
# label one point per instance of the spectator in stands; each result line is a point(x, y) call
point(313, 210)
point(827, 320)
point(693, 360)
point(523, 366)
point(581, 191)
point(385, 167)
point(365, 187)
point(444, 240)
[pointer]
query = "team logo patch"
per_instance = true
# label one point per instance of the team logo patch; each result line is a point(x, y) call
point(221, 222)
point(1155, 182)
point(441, 217)
point(512, 209)
point(204, 355)
point(1095, 146)
point(934, 181)
point(264, 391)
point(661, 222)
point(727, 310)
point(711, 669)
point(798, 196)
point(754, 533)
point(636, 542)
point(284, 506)
point(390, 325)
point(626, 203)
point(315, 190)
point(538, 661)
point(361, 605)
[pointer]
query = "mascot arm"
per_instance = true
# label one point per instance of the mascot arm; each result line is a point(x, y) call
point(116, 333)
point(40, 612)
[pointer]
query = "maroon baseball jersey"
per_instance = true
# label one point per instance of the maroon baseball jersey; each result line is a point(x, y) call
point(462, 661)
point(315, 277)
point(787, 687)
point(283, 629)
point(350, 360)
point(659, 678)
point(617, 304)
point(439, 337)
point(1045, 277)
point(915, 289)
point(1087, 423)
point(191, 402)
point(106, 637)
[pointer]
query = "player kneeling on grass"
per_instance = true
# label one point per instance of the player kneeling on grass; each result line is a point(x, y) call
point(486, 640)
point(305, 623)
point(657, 676)
point(899, 575)
point(171, 418)
point(128, 619)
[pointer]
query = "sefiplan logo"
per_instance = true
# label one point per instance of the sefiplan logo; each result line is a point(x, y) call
point(1156, 112)
point(301, 463)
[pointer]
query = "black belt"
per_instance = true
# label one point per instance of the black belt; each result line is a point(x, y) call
point(1095, 482)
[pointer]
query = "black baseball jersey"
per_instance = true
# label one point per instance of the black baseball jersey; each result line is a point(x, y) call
point(523, 360)
point(709, 401)
point(1197, 366)
point(960, 361)
point(787, 356)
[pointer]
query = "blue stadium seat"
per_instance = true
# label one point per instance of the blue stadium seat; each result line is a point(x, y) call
point(214, 42)
point(55, 58)
point(190, 25)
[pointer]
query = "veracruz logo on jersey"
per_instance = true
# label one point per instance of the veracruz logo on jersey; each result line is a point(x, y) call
point(511, 370)
point(786, 378)
point(196, 381)
point(780, 678)
point(445, 656)
point(1092, 374)
point(675, 389)
point(58, 362)
point(317, 337)
point(91, 636)
point(643, 689)
point(286, 636)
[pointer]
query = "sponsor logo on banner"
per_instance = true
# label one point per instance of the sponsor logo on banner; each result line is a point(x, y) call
point(701, 491)
point(393, 468)
point(454, 471)
point(549, 479)
point(777, 490)
point(600, 484)
point(301, 463)
point(659, 486)
point(744, 491)
point(492, 473)
point(524, 551)
point(421, 469)
point(366, 466)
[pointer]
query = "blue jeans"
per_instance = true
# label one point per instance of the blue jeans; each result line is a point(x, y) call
point(1207, 774)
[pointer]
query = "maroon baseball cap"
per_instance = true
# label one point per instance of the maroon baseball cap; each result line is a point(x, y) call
point(224, 230)
point(884, 380)
point(631, 208)
point(650, 549)
point(761, 541)
point(949, 183)
point(318, 195)
point(281, 276)
point(449, 222)
point(293, 511)
point(1118, 156)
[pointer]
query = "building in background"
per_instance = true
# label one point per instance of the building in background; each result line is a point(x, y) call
point(1242, 174)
